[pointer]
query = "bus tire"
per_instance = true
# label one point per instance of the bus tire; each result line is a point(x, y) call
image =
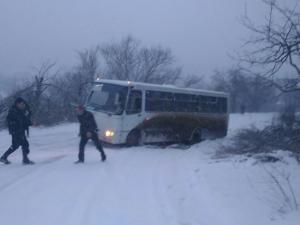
point(134, 138)
point(196, 136)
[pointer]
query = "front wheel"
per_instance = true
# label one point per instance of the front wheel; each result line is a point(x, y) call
point(134, 138)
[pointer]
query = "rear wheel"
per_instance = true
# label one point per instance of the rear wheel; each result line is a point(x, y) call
point(134, 138)
point(196, 136)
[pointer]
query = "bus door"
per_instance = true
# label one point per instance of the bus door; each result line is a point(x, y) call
point(133, 111)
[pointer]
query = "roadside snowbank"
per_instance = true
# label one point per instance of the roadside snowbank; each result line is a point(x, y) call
point(142, 185)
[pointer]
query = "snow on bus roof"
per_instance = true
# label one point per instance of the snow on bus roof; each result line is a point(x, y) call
point(161, 87)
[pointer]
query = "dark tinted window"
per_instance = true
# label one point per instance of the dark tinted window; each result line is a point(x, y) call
point(223, 105)
point(208, 104)
point(185, 103)
point(159, 101)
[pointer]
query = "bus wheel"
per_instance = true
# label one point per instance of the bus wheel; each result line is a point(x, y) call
point(134, 138)
point(196, 136)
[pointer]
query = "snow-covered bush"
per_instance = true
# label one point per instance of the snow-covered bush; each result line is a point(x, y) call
point(282, 134)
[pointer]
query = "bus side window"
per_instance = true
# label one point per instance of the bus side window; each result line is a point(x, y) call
point(223, 105)
point(134, 104)
point(213, 105)
point(200, 105)
point(159, 101)
point(204, 105)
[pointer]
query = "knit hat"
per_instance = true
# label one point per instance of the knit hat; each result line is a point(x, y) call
point(19, 100)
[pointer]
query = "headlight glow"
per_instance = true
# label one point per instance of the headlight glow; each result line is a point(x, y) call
point(109, 133)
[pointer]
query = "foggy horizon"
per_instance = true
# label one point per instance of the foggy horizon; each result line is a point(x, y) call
point(201, 34)
point(34, 32)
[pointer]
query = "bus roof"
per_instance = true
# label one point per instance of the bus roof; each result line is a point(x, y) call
point(163, 87)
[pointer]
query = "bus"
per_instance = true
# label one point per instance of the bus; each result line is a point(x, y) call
point(135, 113)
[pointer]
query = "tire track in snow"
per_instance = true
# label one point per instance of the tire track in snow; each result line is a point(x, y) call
point(83, 203)
point(184, 196)
point(24, 176)
point(120, 200)
point(159, 189)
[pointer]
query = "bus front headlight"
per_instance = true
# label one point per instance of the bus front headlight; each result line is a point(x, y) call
point(109, 133)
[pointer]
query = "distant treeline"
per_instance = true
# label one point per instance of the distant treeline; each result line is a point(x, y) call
point(50, 92)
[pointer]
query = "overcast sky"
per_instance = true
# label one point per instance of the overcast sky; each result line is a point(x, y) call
point(201, 33)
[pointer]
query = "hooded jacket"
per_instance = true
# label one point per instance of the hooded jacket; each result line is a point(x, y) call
point(17, 121)
point(87, 123)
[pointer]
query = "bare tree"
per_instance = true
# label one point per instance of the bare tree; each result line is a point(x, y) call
point(191, 81)
point(247, 93)
point(34, 91)
point(156, 66)
point(275, 46)
point(121, 58)
point(72, 87)
point(127, 60)
point(84, 74)
point(40, 84)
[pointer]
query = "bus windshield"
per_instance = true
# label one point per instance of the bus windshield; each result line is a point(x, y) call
point(108, 98)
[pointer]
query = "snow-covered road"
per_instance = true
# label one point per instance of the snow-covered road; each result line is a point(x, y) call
point(136, 186)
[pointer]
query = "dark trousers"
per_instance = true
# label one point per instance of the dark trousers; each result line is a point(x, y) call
point(83, 142)
point(17, 141)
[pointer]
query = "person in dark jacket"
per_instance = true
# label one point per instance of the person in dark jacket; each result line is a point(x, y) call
point(88, 130)
point(18, 123)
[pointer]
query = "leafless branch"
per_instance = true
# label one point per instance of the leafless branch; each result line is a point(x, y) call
point(275, 45)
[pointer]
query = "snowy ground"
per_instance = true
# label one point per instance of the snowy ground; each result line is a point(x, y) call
point(142, 185)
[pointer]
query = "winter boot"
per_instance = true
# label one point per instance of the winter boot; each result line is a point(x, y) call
point(4, 160)
point(27, 162)
point(103, 157)
point(79, 161)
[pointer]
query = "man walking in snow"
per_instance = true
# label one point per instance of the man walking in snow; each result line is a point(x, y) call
point(18, 122)
point(88, 130)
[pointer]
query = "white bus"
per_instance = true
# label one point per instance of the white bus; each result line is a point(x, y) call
point(135, 113)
